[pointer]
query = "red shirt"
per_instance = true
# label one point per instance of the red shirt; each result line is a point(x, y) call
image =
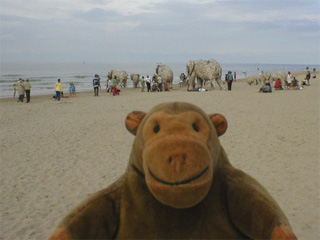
point(277, 84)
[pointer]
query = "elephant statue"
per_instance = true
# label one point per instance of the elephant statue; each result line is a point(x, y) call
point(281, 75)
point(122, 77)
point(270, 77)
point(166, 74)
point(135, 78)
point(259, 79)
point(252, 80)
point(204, 70)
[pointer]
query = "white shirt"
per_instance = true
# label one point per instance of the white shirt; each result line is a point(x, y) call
point(289, 78)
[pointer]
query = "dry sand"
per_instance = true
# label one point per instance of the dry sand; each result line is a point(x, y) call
point(55, 154)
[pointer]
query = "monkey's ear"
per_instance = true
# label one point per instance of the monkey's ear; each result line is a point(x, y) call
point(219, 122)
point(133, 121)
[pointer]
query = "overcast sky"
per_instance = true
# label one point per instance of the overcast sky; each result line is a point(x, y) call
point(230, 31)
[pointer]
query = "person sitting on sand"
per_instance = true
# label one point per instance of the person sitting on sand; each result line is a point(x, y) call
point(296, 84)
point(266, 88)
point(304, 82)
point(198, 89)
point(278, 85)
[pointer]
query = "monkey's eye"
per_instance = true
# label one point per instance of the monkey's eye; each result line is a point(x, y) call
point(195, 127)
point(156, 128)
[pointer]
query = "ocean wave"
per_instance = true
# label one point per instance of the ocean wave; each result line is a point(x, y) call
point(8, 81)
point(12, 75)
point(81, 76)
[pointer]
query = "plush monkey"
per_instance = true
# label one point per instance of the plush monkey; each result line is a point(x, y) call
point(179, 184)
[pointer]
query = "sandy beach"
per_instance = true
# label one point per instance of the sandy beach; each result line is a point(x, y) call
point(55, 154)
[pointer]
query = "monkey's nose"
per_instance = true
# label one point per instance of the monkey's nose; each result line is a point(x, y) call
point(177, 162)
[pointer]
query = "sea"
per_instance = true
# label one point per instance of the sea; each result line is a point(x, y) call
point(43, 76)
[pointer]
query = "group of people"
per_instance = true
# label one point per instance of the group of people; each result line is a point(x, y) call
point(293, 83)
point(290, 82)
point(156, 84)
point(59, 90)
point(112, 86)
point(23, 88)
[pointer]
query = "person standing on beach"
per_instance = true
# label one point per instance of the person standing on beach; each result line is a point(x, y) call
point(70, 90)
point(143, 81)
point(58, 89)
point(110, 87)
point(308, 75)
point(20, 88)
point(235, 76)
point(289, 78)
point(96, 85)
point(160, 83)
point(148, 82)
point(27, 88)
point(14, 90)
point(115, 86)
point(229, 80)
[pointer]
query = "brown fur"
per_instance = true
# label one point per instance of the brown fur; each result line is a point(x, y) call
point(178, 184)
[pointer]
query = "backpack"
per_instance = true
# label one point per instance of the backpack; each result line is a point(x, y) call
point(95, 82)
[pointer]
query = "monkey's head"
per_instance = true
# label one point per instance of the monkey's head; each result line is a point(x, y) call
point(176, 148)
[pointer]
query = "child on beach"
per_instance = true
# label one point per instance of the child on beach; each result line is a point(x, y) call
point(70, 90)
point(73, 89)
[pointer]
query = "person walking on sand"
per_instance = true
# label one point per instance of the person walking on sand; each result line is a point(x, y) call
point(27, 88)
point(143, 81)
point(229, 80)
point(58, 89)
point(235, 76)
point(20, 88)
point(96, 85)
